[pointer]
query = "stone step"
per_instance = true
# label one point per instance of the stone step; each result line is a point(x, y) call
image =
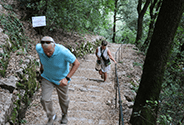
point(89, 57)
point(85, 86)
point(112, 45)
point(88, 68)
point(88, 65)
point(83, 121)
point(88, 106)
point(87, 73)
point(84, 114)
point(91, 92)
point(86, 80)
point(90, 117)
point(83, 83)
point(73, 121)
point(91, 65)
point(87, 92)
point(113, 48)
point(79, 79)
point(89, 82)
point(87, 97)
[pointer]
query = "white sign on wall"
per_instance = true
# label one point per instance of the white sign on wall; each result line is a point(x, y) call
point(39, 21)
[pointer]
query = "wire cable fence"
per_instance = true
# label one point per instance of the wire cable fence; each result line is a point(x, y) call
point(118, 56)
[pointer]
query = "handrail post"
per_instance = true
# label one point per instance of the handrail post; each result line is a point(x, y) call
point(116, 90)
point(115, 85)
point(121, 122)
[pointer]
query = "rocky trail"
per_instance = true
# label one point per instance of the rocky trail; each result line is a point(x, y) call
point(92, 102)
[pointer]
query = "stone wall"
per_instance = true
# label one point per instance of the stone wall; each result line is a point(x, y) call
point(17, 78)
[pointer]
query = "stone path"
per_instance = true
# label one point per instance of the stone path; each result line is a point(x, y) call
point(90, 99)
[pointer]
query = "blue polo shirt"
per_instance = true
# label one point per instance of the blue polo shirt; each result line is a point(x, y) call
point(57, 66)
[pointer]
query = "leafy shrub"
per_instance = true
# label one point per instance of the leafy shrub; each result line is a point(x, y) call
point(172, 95)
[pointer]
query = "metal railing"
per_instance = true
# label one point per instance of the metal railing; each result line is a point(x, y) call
point(118, 56)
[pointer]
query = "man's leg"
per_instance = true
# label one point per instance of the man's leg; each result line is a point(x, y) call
point(63, 101)
point(47, 88)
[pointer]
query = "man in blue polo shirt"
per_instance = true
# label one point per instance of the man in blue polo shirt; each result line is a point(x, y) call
point(55, 62)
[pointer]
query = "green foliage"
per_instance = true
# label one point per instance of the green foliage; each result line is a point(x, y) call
point(14, 115)
point(4, 65)
point(148, 108)
point(172, 95)
point(172, 104)
point(85, 48)
point(137, 64)
point(70, 15)
point(14, 29)
point(83, 16)
point(30, 85)
point(128, 35)
point(126, 21)
point(23, 121)
point(127, 13)
point(4, 61)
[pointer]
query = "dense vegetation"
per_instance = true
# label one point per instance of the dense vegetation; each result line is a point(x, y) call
point(135, 21)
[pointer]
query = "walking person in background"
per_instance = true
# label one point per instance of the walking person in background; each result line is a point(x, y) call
point(103, 55)
point(56, 73)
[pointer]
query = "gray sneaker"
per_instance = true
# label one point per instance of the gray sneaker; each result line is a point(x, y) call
point(51, 120)
point(64, 119)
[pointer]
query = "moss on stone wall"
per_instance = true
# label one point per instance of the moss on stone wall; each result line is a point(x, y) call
point(27, 84)
point(26, 88)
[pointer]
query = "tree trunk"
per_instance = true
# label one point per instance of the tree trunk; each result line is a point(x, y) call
point(140, 19)
point(139, 28)
point(145, 109)
point(152, 23)
point(114, 27)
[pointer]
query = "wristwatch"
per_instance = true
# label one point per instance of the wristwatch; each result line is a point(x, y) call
point(67, 78)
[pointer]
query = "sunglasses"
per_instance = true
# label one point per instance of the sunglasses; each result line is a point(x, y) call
point(47, 42)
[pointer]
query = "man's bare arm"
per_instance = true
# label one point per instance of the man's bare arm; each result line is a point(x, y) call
point(74, 68)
